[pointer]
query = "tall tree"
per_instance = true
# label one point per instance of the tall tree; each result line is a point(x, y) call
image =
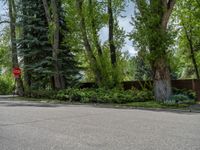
point(151, 23)
point(53, 22)
point(111, 34)
point(91, 6)
point(33, 44)
point(93, 16)
point(12, 16)
point(87, 45)
point(186, 15)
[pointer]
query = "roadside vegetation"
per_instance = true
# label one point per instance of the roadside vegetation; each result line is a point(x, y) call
point(59, 44)
point(6, 85)
point(130, 98)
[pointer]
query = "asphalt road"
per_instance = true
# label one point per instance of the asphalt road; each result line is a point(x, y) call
point(33, 126)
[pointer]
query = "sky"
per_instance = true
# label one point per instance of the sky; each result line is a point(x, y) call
point(123, 23)
point(2, 9)
point(2, 13)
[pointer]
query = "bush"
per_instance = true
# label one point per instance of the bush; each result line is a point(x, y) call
point(99, 95)
point(6, 85)
point(41, 94)
point(190, 93)
point(179, 99)
point(104, 95)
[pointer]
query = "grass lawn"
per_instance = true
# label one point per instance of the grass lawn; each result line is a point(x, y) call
point(154, 104)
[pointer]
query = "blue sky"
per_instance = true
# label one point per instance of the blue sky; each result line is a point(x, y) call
point(2, 13)
point(3, 8)
point(123, 22)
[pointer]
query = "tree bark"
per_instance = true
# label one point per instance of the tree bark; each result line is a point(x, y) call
point(12, 15)
point(94, 30)
point(168, 6)
point(111, 34)
point(90, 54)
point(54, 20)
point(163, 10)
point(162, 80)
point(59, 79)
point(190, 42)
point(47, 11)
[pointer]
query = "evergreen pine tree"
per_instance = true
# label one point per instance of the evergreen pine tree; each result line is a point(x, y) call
point(36, 50)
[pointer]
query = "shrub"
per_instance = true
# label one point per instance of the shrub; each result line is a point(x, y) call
point(179, 99)
point(190, 93)
point(41, 94)
point(6, 85)
point(104, 95)
point(99, 95)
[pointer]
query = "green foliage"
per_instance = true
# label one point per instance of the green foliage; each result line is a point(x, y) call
point(182, 96)
point(5, 54)
point(186, 20)
point(179, 99)
point(190, 93)
point(96, 18)
point(6, 85)
point(111, 76)
point(95, 95)
point(47, 94)
point(150, 38)
point(104, 95)
point(135, 98)
point(143, 69)
point(35, 47)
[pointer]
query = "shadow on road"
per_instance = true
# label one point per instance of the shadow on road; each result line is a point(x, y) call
point(23, 104)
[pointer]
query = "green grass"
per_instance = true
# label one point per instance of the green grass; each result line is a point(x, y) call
point(156, 105)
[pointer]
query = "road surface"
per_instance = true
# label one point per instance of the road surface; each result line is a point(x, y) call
point(36, 126)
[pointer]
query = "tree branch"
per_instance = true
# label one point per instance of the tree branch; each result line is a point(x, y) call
point(142, 6)
point(168, 10)
point(47, 12)
point(171, 4)
point(4, 22)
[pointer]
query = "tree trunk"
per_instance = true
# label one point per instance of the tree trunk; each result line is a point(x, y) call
point(190, 42)
point(12, 15)
point(90, 54)
point(111, 34)
point(161, 10)
point(94, 30)
point(58, 77)
point(194, 59)
point(162, 80)
point(27, 74)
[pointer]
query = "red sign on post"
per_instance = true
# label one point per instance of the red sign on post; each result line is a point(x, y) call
point(16, 72)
